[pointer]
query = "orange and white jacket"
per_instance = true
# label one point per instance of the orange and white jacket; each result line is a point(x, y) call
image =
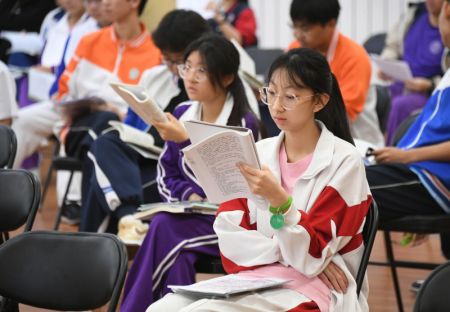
point(324, 223)
point(100, 58)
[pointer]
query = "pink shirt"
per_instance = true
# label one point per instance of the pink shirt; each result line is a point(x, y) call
point(313, 288)
point(290, 172)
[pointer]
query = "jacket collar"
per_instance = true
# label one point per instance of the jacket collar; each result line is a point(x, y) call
point(322, 155)
point(135, 42)
point(194, 112)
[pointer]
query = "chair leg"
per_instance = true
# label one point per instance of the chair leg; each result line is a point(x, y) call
point(63, 203)
point(46, 185)
point(393, 266)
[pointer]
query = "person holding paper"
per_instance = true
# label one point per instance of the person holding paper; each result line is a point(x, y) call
point(413, 178)
point(107, 189)
point(311, 196)
point(416, 40)
point(175, 241)
point(235, 20)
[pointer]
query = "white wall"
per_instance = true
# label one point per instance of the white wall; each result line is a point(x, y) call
point(358, 19)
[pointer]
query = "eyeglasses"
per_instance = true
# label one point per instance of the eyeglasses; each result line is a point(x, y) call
point(288, 101)
point(200, 73)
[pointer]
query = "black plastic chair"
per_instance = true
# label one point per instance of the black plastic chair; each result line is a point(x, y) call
point(263, 58)
point(63, 271)
point(8, 147)
point(71, 164)
point(383, 106)
point(375, 43)
point(19, 201)
point(410, 224)
point(433, 294)
point(213, 265)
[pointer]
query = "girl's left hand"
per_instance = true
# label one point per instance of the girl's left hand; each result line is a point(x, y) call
point(263, 183)
point(391, 155)
point(172, 130)
point(334, 278)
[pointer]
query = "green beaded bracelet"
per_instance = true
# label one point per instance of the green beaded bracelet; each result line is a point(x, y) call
point(277, 219)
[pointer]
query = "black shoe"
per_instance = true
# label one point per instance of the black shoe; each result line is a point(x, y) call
point(71, 213)
point(415, 286)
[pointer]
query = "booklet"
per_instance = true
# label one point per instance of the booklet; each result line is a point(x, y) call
point(228, 285)
point(139, 140)
point(213, 155)
point(140, 101)
point(396, 69)
point(147, 211)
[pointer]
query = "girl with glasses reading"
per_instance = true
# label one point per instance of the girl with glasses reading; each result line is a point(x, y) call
point(175, 241)
point(305, 222)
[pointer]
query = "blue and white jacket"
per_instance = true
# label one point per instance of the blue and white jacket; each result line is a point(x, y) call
point(175, 179)
point(431, 127)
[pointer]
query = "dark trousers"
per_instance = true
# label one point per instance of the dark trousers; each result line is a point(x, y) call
point(399, 192)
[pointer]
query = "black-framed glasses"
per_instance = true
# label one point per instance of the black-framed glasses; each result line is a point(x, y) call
point(287, 101)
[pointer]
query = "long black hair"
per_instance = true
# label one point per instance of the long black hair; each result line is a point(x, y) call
point(307, 67)
point(222, 60)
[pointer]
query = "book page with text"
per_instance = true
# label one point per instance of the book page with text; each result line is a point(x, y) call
point(214, 160)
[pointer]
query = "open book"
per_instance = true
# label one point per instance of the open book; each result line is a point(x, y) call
point(139, 140)
point(147, 211)
point(396, 69)
point(226, 286)
point(213, 155)
point(140, 101)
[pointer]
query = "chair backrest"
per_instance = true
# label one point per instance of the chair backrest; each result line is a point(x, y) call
point(383, 106)
point(8, 147)
point(263, 58)
point(375, 43)
point(403, 127)
point(369, 233)
point(433, 294)
point(63, 271)
point(19, 199)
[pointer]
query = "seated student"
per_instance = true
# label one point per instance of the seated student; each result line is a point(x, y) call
point(416, 40)
point(413, 178)
point(315, 27)
point(107, 189)
point(311, 200)
point(235, 20)
point(174, 242)
point(8, 104)
point(120, 52)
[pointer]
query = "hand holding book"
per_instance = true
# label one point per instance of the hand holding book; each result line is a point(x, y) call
point(171, 129)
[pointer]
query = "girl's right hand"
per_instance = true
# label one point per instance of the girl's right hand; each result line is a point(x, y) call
point(334, 278)
point(171, 130)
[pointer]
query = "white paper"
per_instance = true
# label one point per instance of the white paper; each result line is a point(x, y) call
point(247, 64)
point(39, 84)
point(136, 137)
point(227, 285)
point(141, 102)
point(396, 69)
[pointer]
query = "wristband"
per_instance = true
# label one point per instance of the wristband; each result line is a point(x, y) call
point(277, 219)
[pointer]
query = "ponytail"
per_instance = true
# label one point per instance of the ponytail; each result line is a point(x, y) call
point(333, 115)
point(241, 105)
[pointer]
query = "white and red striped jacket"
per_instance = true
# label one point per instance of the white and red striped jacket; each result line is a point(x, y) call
point(325, 221)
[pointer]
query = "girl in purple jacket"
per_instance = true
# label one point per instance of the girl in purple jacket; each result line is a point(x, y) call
point(174, 242)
